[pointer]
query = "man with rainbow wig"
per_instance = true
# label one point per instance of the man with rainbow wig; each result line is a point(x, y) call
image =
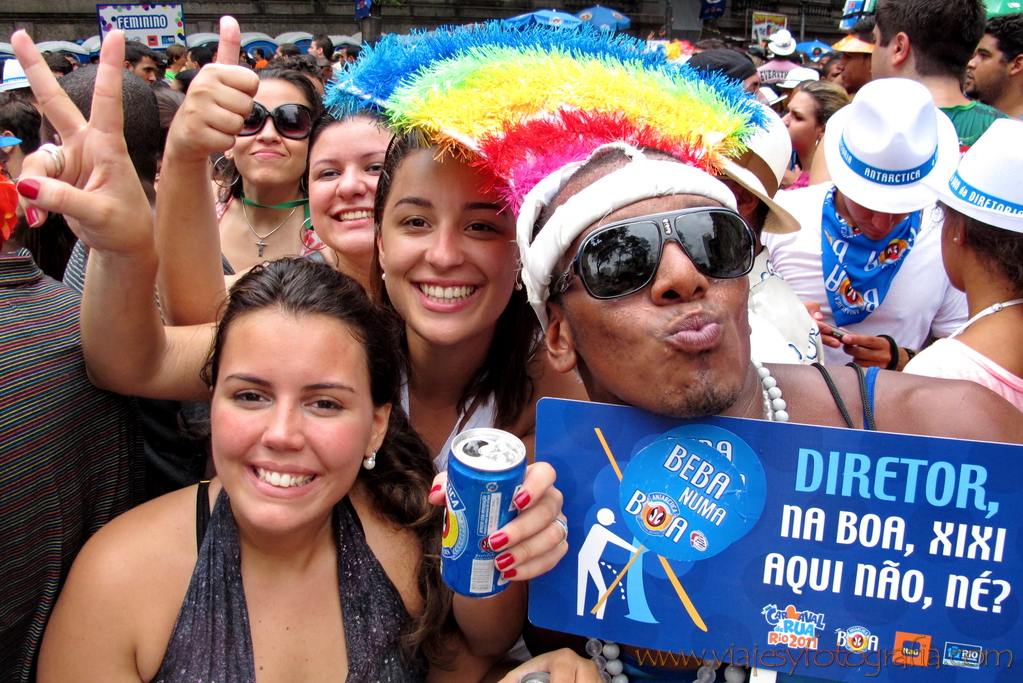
point(632, 252)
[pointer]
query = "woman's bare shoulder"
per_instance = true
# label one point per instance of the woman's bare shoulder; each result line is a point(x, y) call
point(148, 532)
point(115, 614)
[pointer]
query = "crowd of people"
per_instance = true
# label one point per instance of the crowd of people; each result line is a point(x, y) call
point(248, 302)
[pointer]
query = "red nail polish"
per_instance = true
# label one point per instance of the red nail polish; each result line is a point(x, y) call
point(498, 540)
point(31, 215)
point(522, 500)
point(436, 487)
point(28, 188)
point(504, 561)
point(510, 574)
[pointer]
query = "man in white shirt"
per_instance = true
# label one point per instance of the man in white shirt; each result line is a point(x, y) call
point(868, 256)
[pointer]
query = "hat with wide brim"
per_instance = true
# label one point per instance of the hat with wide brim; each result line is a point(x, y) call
point(778, 221)
point(799, 75)
point(769, 96)
point(853, 44)
point(14, 76)
point(782, 43)
point(986, 185)
point(892, 148)
point(761, 167)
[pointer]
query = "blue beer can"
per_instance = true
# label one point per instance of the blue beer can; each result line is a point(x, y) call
point(485, 471)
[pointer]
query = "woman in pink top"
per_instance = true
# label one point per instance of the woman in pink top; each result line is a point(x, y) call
point(982, 249)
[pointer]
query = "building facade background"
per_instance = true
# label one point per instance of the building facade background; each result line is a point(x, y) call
point(76, 19)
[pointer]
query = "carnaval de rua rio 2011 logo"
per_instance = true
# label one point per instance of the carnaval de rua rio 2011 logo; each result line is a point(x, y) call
point(692, 492)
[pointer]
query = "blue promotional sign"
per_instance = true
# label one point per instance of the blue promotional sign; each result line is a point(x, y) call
point(362, 9)
point(711, 9)
point(833, 553)
point(157, 26)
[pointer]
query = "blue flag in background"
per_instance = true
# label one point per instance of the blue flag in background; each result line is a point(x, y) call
point(362, 8)
point(711, 9)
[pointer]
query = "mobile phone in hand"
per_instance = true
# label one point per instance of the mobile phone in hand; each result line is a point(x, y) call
point(838, 332)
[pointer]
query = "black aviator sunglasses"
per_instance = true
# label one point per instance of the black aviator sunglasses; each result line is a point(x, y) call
point(622, 258)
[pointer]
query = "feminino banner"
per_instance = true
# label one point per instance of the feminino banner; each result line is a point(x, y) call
point(154, 25)
point(840, 554)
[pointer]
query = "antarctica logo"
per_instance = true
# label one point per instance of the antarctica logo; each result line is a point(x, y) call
point(657, 513)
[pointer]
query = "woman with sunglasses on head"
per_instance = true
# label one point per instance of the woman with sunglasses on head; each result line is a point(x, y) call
point(809, 111)
point(303, 375)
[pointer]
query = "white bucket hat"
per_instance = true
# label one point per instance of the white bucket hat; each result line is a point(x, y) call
point(881, 147)
point(14, 76)
point(986, 185)
point(760, 170)
point(782, 43)
point(797, 76)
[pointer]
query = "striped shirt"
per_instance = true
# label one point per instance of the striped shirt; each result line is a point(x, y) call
point(70, 454)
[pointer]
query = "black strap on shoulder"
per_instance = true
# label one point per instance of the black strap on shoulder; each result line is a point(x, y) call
point(868, 410)
point(347, 502)
point(202, 512)
point(835, 395)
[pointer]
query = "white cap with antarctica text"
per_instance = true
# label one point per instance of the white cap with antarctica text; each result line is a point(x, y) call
point(986, 186)
point(882, 146)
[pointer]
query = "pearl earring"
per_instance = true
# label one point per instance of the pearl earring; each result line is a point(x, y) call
point(370, 462)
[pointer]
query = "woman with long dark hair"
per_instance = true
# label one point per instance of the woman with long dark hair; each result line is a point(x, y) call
point(982, 249)
point(303, 391)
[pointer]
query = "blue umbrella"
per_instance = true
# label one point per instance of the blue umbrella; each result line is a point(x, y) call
point(809, 45)
point(545, 17)
point(605, 18)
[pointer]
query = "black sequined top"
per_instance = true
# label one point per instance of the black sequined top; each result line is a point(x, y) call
point(211, 642)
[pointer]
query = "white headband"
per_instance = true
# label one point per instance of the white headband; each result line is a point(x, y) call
point(641, 178)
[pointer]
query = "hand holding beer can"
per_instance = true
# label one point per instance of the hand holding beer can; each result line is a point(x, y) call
point(485, 470)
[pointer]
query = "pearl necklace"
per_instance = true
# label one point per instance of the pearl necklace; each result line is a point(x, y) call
point(774, 404)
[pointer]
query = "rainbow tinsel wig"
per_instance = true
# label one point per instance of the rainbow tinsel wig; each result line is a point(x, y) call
point(527, 104)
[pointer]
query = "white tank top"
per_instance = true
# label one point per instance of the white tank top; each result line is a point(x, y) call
point(485, 415)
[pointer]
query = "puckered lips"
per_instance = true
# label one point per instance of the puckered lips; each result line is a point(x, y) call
point(695, 332)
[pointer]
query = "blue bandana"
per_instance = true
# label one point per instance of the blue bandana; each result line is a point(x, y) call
point(858, 270)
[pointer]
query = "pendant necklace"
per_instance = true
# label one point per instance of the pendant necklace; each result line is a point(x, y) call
point(261, 243)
